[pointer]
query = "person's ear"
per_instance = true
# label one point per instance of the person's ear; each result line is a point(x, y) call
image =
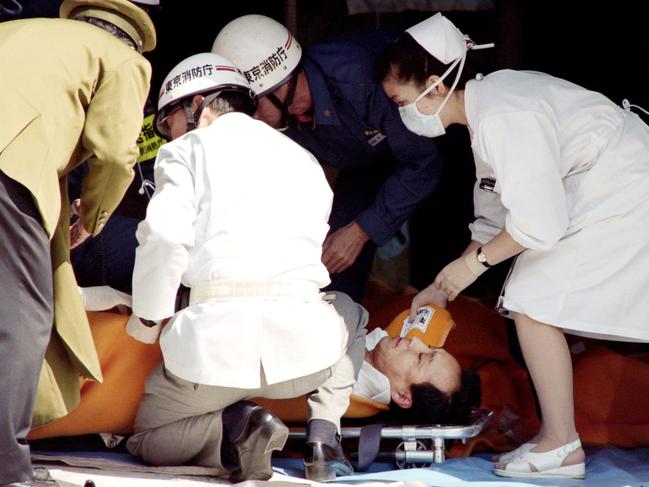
point(403, 399)
point(440, 89)
point(196, 102)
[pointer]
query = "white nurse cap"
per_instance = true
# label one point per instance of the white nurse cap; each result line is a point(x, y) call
point(442, 39)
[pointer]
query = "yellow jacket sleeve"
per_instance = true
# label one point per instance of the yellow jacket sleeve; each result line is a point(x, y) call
point(113, 122)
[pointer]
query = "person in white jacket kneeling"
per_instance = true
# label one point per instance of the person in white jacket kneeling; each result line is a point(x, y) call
point(239, 215)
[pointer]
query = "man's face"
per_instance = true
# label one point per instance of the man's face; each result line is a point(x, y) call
point(267, 112)
point(177, 122)
point(301, 107)
point(409, 361)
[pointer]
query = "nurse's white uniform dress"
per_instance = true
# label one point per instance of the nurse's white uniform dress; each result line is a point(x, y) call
point(571, 173)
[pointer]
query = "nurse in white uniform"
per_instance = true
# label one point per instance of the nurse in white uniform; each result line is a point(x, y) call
point(562, 181)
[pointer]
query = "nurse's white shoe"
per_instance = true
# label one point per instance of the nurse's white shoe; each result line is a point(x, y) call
point(514, 454)
point(545, 465)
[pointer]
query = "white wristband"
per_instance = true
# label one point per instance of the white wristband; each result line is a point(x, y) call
point(142, 333)
point(474, 265)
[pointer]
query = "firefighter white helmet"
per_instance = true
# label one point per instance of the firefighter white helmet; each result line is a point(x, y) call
point(264, 50)
point(204, 73)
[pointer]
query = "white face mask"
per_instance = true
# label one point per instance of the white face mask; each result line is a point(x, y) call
point(429, 125)
point(420, 123)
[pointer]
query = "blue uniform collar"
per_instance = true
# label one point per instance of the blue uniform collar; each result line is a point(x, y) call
point(323, 105)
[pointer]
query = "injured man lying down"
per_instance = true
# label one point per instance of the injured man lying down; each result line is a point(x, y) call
point(422, 385)
point(392, 366)
point(403, 367)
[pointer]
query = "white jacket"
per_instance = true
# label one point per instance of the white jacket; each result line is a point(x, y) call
point(237, 200)
point(571, 173)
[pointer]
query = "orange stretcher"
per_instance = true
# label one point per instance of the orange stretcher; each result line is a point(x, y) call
point(110, 407)
point(412, 445)
point(608, 408)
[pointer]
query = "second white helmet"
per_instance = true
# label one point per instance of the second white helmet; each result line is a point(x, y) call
point(264, 50)
point(201, 73)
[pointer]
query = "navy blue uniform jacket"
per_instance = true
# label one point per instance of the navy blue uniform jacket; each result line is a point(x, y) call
point(358, 126)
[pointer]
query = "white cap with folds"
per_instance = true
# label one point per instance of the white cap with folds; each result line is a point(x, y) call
point(440, 38)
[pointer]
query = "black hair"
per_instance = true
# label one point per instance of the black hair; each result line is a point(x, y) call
point(432, 406)
point(410, 62)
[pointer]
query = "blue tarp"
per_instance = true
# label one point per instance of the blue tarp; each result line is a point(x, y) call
point(605, 467)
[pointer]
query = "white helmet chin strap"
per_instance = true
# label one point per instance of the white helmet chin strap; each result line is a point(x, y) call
point(207, 99)
point(193, 117)
point(190, 116)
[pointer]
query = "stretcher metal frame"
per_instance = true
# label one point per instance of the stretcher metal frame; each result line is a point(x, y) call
point(419, 446)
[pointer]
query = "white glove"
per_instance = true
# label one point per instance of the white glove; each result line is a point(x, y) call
point(459, 274)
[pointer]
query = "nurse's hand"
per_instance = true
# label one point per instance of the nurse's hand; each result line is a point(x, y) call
point(454, 278)
point(341, 248)
point(430, 295)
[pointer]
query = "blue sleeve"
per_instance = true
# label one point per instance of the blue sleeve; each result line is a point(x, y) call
point(418, 170)
point(348, 65)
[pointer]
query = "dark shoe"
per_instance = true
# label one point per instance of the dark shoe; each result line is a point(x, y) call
point(324, 462)
point(259, 434)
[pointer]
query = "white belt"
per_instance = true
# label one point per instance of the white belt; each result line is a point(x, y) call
point(228, 290)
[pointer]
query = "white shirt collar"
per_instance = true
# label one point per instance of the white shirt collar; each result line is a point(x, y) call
point(371, 383)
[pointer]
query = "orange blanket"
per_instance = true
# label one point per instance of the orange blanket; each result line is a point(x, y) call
point(611, 390)
point(108, 407)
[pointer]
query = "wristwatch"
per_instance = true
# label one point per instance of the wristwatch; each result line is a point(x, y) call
point(482, 258)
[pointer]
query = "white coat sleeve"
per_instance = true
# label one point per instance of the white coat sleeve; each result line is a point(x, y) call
point(524, 149)
point(166, 235)
point(489, 214)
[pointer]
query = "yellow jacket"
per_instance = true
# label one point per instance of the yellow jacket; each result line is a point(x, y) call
point(69, 92)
